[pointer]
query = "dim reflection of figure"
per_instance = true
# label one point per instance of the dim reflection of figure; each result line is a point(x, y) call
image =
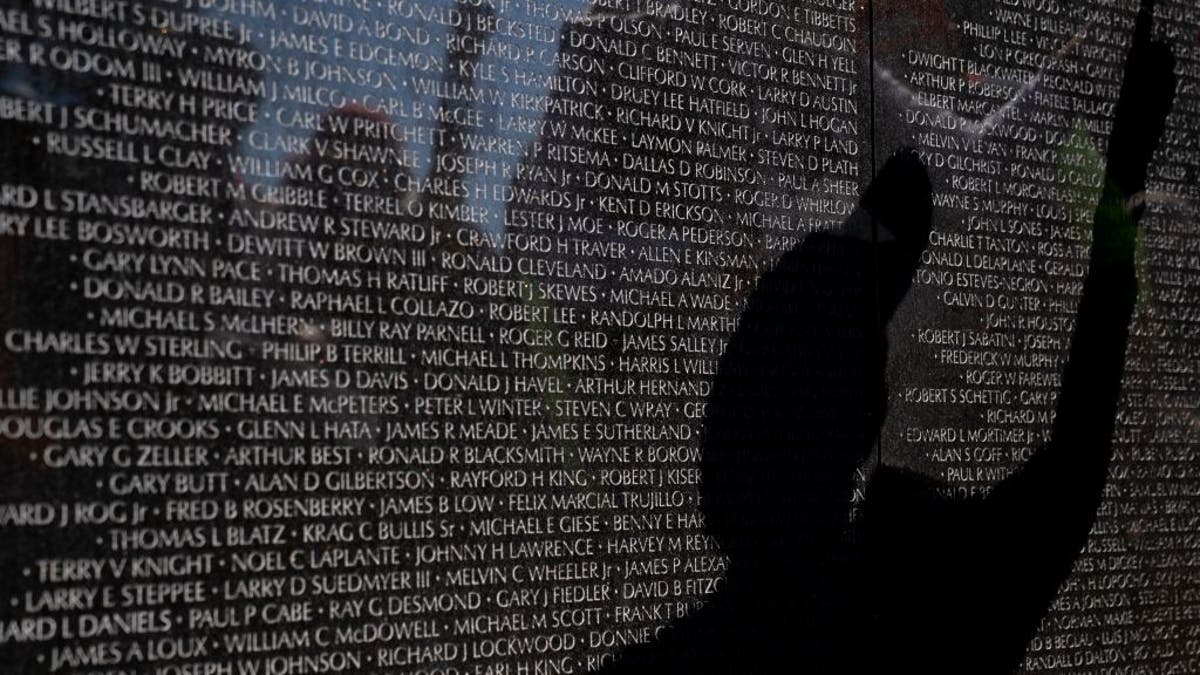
point(918, 582)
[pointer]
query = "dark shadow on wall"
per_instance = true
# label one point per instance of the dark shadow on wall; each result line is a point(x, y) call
point(917, 582)
point(794, 413)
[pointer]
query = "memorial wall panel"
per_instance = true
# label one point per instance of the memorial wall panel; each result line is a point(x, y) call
point(1012, 106)
point(519, 337)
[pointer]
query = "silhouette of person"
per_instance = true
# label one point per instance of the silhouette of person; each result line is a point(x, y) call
point(917, 582)
point(794, 411)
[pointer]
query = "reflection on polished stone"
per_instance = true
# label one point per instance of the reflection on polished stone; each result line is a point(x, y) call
point(508, 336)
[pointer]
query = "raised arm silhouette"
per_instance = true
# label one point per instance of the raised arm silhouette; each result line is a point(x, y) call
point(962, 585)
point(918, 582)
